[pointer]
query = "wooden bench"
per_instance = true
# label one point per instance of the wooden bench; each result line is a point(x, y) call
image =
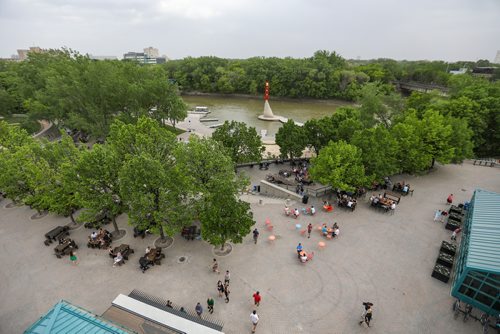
point(124, 249)
point(489, 163)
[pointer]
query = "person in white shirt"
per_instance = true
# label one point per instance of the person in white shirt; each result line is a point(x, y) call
point(254, 318)
point(118, 259)
point(313, 210)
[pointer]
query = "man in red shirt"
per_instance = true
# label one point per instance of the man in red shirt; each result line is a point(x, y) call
point(256, 298)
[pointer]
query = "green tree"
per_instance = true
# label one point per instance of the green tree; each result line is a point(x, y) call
point(340, 165)
point(97, 184)
point(210, 171)
point(242, 142)
point(291, 139)
point(379, 151)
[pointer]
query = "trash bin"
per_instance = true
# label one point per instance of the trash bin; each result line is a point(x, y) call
point(258, 189)
point(305, 199)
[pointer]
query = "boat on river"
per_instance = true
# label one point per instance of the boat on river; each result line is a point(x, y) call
point(200, 110)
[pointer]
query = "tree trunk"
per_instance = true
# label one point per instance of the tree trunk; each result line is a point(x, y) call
point(223, 245)
point(433, 161)
point(162, 234)
point(71, 216)
point(115, 225)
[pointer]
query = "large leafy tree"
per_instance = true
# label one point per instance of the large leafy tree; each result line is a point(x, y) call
point(379, 151)
point(379, 105)
point(340, 165)
point(241, 141)
point(97, 183)
point(152, 185)
point(410, 157)
point(210, 171)
point(291, 139)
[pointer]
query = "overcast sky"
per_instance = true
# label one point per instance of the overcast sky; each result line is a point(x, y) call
point(398, 29)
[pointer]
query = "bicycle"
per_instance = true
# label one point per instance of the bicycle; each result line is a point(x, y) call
point(456, 308)
point(467, 312)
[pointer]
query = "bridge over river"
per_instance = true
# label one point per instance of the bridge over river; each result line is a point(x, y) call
point(420, 87)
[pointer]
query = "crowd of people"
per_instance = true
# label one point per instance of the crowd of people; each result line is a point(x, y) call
point(101, 239)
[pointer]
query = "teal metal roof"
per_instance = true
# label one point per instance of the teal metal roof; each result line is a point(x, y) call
point(484, 240)
point(65, 318)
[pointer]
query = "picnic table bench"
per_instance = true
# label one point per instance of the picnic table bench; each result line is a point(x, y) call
point(65, 247)
point(124, 249)
point(190, 232)
point(155, 256)
point(55, 234)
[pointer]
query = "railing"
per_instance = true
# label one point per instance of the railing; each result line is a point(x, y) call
point(175, 309)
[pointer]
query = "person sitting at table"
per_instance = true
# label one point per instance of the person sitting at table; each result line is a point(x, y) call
point(148, 249)
point(118, 259)
point(303, 256)
point(313, 210)
point(336, 232)
point(296, 213)
point(93, 236)
point(324, 230)
point(393, 206)
point(287, 211)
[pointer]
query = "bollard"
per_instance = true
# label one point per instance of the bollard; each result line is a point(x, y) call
point(260, 201)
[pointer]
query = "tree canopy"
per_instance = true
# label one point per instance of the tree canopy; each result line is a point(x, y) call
point(241, 141)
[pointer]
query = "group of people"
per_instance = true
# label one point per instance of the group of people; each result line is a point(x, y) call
point(333, 232)
point(223, 288)
point(383, 202)
point(347, 201)
point(402, 187)
point(295, 213)
point(302, 254)
point(102, 239)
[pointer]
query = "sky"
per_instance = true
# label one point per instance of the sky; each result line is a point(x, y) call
point(447, 30)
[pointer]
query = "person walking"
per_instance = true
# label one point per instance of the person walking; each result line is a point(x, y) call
point(215, 267)
point(257, 298)
point(254, 318)
point(437, 216)
point(366, 316)
point(309, 230)
point(199, 309)
point(255, 235)
point(450, 199)
point(226, 292)
point(210, 305)
point(227, 277)
point(220, 288)
point(454, 234)
point(73, 258)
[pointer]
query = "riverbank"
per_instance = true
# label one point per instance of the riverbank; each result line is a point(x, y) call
point(273, 98)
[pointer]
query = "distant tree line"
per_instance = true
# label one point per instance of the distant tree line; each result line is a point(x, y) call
point(75, 92)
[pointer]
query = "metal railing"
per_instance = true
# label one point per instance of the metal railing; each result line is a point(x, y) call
point(175, 309)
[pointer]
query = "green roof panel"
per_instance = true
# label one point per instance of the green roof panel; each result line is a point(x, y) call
point(484, 241)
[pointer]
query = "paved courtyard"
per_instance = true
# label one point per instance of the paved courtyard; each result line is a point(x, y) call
point(382, 258)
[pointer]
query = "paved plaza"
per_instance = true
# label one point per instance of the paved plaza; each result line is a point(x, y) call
point(382, 258)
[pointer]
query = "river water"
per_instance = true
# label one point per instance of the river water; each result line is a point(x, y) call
point(247, 109)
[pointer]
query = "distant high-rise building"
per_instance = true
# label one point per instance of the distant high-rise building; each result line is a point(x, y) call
point(497, 58)
point(151, 52)
point(149, 56)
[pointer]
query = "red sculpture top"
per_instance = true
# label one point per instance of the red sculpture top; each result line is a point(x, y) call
point(266, 92)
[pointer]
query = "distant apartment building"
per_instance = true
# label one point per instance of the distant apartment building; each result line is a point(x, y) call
point(149, 56)
point(22, 54)
point(151, 52)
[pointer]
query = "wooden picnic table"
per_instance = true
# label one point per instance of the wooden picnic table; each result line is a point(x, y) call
point(124, 249)
point(65, 247)
point(55, 234)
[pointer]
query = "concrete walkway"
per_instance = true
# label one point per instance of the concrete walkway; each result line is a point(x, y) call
point(385, 259)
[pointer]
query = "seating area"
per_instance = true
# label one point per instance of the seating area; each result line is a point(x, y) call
point(191, 232)
point(386, 203)
point(120, 254)
point(403, 188)
point(347, 202)
point(152, 257)
point(66, 245)
point(101, 239)
point(57, 233)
